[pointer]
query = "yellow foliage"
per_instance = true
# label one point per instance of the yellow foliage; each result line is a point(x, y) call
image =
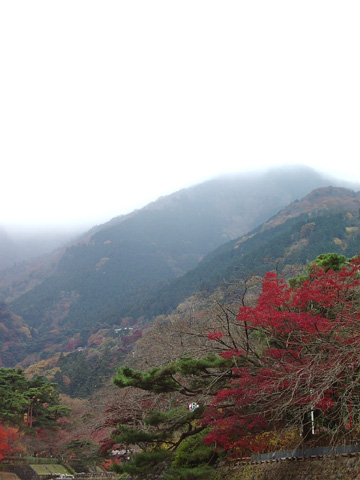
point(101, 263)
point(50, 374)
point(338, 241)
point(46, 368)
point(281, 440)
point(352, 229)
point(25, 330)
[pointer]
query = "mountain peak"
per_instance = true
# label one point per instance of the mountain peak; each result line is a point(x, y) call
point(330, 192)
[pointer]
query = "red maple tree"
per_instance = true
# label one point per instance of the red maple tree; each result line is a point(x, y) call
point(298, 366)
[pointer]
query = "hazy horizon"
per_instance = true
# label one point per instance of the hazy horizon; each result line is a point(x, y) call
point(74, 228)
point(50, 220)
point(107, 106)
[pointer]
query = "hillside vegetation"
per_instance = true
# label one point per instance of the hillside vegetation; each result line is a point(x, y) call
point(326, 220)
point(280, 374)
point(108, 275)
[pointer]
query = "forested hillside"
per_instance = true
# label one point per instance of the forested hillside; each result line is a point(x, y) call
point(13, 333)
point(23, 243)
point(326, 220)
point(105, 277)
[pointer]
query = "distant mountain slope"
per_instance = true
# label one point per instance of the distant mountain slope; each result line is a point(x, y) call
point(22, 244)
point(115, 267)
point(13, 332)
point(326, 220)
point(8, 250)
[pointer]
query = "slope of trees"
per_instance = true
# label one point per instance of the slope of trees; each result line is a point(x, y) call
point(13, 333)
point(289, 373)
point(30, 402)
point(106, 275)
point(30, 409)
point(295, 241)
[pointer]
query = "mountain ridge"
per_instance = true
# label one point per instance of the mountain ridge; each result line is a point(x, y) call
point(110, 271)
point(326, 220)
point(235, 194)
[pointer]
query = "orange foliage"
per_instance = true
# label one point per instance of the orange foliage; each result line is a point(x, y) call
point(109, 462)
point(95, 339)
point(8, 439)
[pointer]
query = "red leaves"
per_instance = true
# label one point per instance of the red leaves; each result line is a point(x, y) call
point(325, 403)
point(232, 353)
point(215, 335)
point(300, 340)
point(233, 432)
point(8, 438)
point(275, 293)
point(132, 338)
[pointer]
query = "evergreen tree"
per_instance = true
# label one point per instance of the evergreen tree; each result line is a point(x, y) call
point(183, 388)
point(28, 403)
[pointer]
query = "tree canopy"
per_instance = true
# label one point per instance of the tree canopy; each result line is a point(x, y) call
point(28, 403)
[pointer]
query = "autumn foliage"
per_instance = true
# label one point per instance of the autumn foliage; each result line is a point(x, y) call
point(8, 439)
point(297, 366)
point(283, 372)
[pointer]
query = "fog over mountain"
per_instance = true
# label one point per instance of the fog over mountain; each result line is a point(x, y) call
point(23, 242)
point(19, 244)
point(110, 272)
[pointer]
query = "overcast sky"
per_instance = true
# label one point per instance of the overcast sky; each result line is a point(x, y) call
point(107, 105)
